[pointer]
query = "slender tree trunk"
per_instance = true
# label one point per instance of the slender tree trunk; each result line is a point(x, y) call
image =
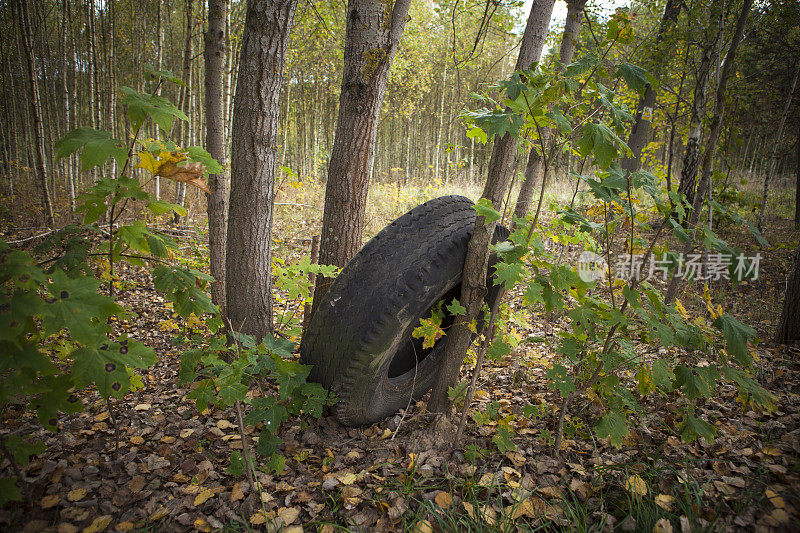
point(691, 155)
point(215, 45)
point(160, 66)
point(473, 285)
point(533, 167)
point(440, 127)
point(797, 183)
point(255, 129)
point(778, 136)
point(711, 145)
point(372, 36)
point(36, 112)
point(184, 128)
point(644, 112)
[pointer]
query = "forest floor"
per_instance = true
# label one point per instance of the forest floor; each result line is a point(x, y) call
point(155, 463)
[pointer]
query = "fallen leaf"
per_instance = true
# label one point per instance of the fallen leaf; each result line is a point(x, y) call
point(663, 526)
point(66, 527)
point(636, 485)
point(186, 432)
point(158, 514)
point(136, 484)
point(552, 491)
point(773, 497)
point(347, 478)
point(201, 498)
point(142, 407)
point(422, 526)
point(664, 501)
point(201, 524)
point(124, 526)
point(780, 516)
point(289, 515)
point(469, 509)
point(224, 424)
point(258, 518)
point(102, 416)
point(137, 440)
point(443, 500)
point(98, 524)
point(236, 493)
point(76, 495)
point(49, 501)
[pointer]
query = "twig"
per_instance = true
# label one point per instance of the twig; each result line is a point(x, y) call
point(31, 238)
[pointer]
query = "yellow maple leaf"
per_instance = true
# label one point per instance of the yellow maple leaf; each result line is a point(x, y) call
point(203, 497)
point(99, 524)
point(636, 485)
point(50, 501)
point(76, 495)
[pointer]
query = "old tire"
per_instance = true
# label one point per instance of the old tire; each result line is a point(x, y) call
point(359, 339)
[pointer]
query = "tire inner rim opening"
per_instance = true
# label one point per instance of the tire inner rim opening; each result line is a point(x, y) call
point(412, 353)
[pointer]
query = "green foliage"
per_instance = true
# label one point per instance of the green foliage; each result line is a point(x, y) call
point(223, 374)
point(59, 310)
point(587, 118)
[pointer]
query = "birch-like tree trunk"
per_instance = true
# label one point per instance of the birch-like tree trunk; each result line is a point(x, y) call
point(36, 112)
point(645, 109)
point(713, 137)
point(778, 135)
point(215, 143)
point(534, 166)
point(254, 134)
point(691, 154)
point(372, 36)
point(473, 285)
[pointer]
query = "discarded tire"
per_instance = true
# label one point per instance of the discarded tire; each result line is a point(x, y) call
point(359, 339)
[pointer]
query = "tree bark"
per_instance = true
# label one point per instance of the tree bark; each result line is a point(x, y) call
point(36, 112)
point(797, 183)
point(644, 110)
point(789, 326)
point(473, 285)
point(533, 167)
point(711, 145)
point(778, 136)
point(372, 35)
point(215, 46)
point(691, 155)
point(255, 128)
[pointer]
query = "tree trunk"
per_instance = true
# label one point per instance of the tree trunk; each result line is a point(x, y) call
point(789, 326)
point(778, 136)
point(255, 128)
point(36, 112)
point(797, 184)
point(645, 109)
point(691, 155)
point(711, 146)
point(215, 45)
point(473, 285)
point(533, 168)
point(372, 35)
point(159, 66)
point(184, 129)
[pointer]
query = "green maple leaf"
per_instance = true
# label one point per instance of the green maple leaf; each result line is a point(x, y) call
point(498, 350)
point(736, 336)
point(507, 274)
point(97, 145)
point(693, 427)
point(612, 425)
point(455, 308)
point(486, 210)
